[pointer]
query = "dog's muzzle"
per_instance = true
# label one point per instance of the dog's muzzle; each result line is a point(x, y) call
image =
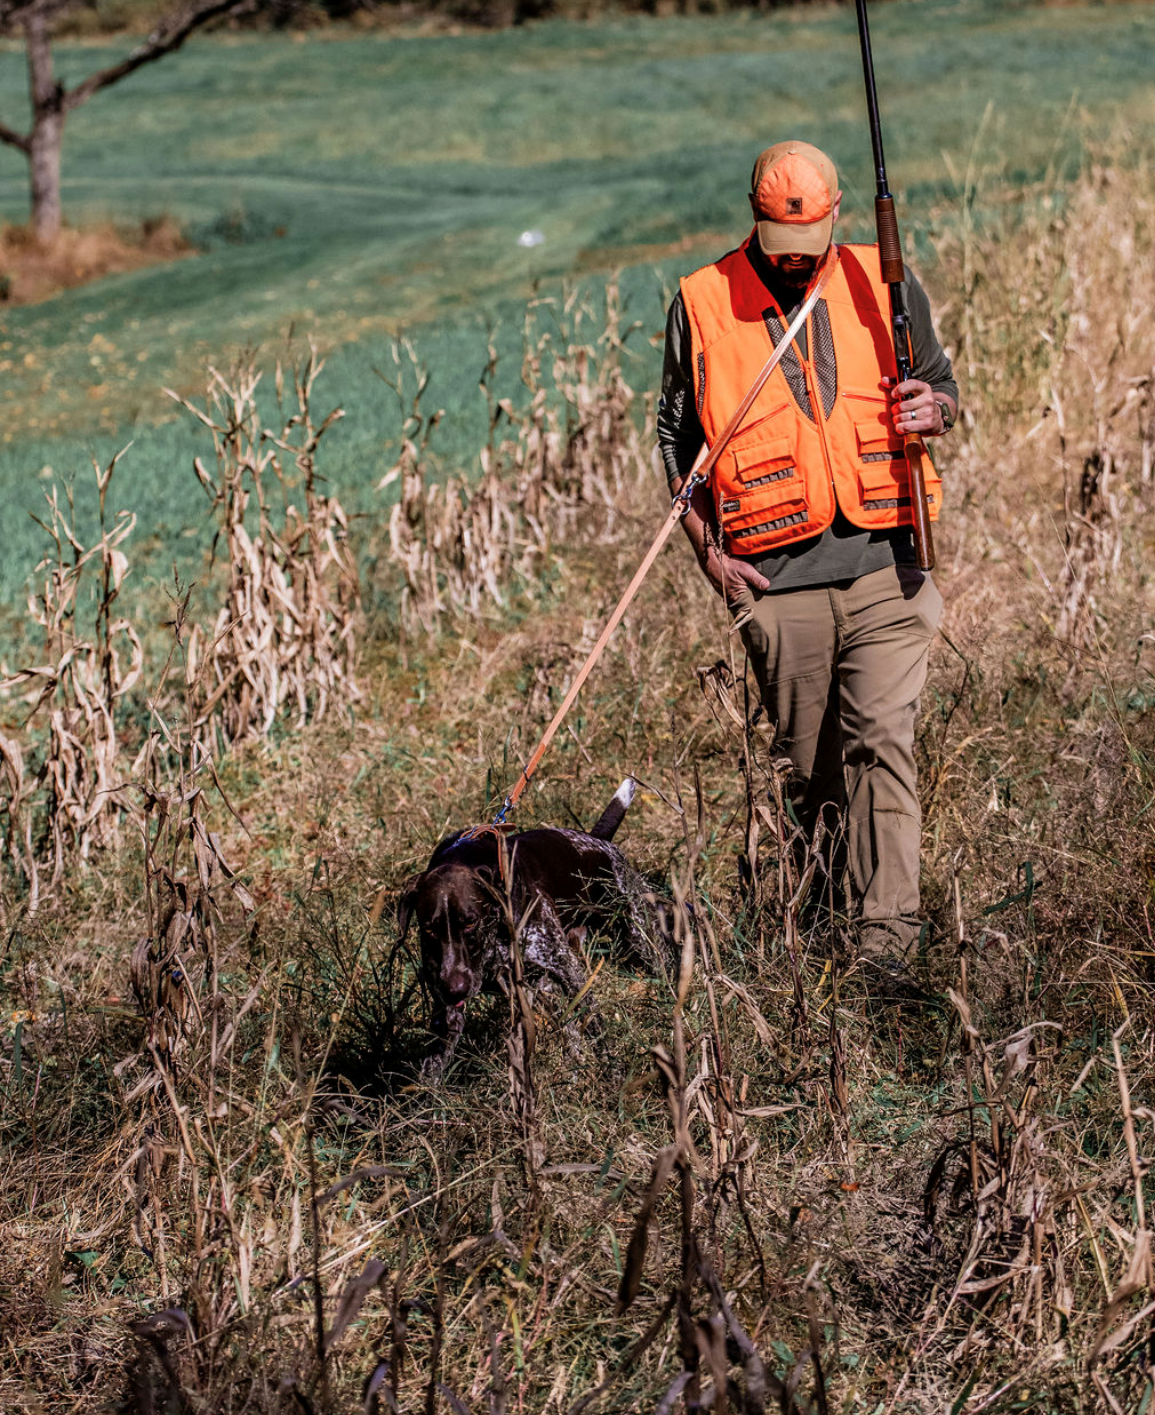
point(452, 1019)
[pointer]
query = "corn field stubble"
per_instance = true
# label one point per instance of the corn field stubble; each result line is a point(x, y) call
point(763, 1186)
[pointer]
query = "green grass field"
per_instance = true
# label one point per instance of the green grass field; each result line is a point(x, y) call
point(360, 186)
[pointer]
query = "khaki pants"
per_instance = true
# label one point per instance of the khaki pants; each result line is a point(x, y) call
point(840, 669)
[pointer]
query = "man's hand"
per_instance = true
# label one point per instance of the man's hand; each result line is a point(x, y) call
point(914, 407)
point(728, 575)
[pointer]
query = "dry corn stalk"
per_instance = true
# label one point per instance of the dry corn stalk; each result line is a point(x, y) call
point(186, 875)
point(16, 792)
point(604, 448)
point(410, 523)
point(459, 545)
point(183, 871)
point(285, 638)
point(1015, 1188)
point(464, 544)
point(78, 792)
point(1092, 376)
point(1091, 390)
point(1094, 546)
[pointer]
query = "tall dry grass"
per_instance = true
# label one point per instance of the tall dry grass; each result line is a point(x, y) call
point(765, 1186)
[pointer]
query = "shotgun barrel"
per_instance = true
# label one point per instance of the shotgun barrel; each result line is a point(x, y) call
point(890, 260)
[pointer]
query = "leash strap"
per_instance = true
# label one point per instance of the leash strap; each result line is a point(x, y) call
point(699, 473)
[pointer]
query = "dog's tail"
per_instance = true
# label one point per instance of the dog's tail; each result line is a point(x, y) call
point(612, 816)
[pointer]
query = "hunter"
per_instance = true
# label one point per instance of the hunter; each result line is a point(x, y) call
point(804, 524)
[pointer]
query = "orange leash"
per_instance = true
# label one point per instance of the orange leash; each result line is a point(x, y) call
point(677, 511)
point(699, 473)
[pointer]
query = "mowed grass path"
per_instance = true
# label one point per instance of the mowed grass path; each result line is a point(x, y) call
point(362, 185)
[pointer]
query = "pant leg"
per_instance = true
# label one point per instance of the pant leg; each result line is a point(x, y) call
point(791, 640)
point(886, 621)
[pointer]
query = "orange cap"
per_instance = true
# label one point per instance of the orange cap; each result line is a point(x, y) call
point(792, 190)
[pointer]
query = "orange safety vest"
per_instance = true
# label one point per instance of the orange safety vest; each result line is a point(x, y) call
point(784, 473)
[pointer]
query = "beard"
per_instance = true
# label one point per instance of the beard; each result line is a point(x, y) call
point(795, 270)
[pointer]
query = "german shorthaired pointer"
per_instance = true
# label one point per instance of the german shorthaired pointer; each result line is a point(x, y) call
point(556, 886)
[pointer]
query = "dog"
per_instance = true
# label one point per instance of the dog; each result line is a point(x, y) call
point(555, 886)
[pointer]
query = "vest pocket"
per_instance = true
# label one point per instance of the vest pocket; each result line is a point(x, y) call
point(885, 485)
point(759, 430)
point(881, 467)
point(766, 495)
point(763, 463)
point(885, 482)
point(870, 414)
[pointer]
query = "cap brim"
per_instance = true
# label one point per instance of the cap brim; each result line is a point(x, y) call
point(796, 237)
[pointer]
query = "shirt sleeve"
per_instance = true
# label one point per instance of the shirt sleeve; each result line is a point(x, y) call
point(680, 433)
point(927, 354)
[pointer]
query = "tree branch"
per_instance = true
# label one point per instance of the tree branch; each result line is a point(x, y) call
point(170, 34)
point(21, 140)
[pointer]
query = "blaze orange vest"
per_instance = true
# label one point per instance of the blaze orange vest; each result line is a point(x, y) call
point(784, 473)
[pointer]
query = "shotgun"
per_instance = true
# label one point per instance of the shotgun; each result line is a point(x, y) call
point(890, 259)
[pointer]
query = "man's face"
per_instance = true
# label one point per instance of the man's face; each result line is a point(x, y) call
point(795, 269)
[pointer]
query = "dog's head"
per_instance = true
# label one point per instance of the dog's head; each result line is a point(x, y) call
point(456, 914)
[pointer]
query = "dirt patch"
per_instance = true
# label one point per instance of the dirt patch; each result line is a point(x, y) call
point(30, 271)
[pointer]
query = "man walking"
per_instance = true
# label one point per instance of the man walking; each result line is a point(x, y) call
point(804, 525)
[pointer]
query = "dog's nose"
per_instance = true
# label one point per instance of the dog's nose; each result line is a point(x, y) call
point(457, 983)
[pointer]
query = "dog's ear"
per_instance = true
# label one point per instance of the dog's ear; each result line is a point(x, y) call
point(492, 882)
point(405, 907)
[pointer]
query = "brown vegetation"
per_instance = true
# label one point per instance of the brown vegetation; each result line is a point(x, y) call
point(31, 271)
point(764, 1187)
point(285, 636)
point(574, 451)
point(116, 17)
point(282, 640)
point(76, 693)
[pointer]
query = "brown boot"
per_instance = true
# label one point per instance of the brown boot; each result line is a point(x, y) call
point(883, 951)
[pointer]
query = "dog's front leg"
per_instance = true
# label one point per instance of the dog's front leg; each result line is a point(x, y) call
point(448, 1025)
point(552, 953)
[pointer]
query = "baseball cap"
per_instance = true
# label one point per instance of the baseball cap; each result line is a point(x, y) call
point(792, 190)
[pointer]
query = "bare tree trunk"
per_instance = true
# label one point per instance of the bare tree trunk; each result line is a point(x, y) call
point(47, 130)
point(51, 104)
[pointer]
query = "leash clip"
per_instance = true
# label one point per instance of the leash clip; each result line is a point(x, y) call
point(688, 488)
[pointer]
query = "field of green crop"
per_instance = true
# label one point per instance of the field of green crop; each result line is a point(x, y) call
point(358, 186)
